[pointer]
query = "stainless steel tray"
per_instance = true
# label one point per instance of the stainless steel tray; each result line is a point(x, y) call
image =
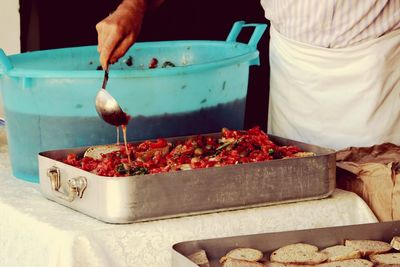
point(181, 193)
point(268, 242)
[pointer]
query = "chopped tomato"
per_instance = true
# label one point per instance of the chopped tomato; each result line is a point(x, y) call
point(233, 147)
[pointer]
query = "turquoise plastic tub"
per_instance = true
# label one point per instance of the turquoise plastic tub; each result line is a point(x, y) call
point(48, 96)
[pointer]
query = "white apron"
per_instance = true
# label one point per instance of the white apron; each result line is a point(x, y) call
point(335, 98)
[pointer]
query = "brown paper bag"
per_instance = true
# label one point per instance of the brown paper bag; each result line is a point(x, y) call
point(374, 174)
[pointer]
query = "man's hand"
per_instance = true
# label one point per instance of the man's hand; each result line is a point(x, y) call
point(118, 32)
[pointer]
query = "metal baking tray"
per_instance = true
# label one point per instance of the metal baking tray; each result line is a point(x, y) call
point(268, 242)
point(181, 193)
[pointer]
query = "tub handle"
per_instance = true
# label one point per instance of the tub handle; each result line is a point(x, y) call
point(5, 63)
point(259, 29)
point(75, 187)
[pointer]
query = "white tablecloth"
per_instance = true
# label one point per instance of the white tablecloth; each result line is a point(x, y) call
point(38, 232)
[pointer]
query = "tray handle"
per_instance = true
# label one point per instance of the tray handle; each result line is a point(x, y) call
point(5, 63)
point(75, 187)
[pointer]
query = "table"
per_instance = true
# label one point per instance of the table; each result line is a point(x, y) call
point(37, 232)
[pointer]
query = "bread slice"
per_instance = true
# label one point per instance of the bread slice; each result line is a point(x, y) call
point(347, 263)
point(388, 258)
point(200, 258)
point(96, 152)
point(248, 254)
point(278, 264)
point(229, 262)
point(369, 247)
point(344, 263)
point(298, 253)
point(340, 252)
point(395, 243)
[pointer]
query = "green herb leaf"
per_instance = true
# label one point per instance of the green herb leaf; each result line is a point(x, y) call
point(121, 169)
point(138, 171)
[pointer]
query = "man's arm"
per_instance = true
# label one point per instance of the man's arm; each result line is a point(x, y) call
point(118, 32)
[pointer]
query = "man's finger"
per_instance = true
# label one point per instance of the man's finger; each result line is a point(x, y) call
point(108, 48)
point(100, 36)
point(121, 49)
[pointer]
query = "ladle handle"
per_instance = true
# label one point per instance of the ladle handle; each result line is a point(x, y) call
point(105, 80)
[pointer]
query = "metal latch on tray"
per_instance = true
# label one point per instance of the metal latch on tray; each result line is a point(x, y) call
point(75, 186)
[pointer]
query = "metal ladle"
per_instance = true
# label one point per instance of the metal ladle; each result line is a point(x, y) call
point(108, 108)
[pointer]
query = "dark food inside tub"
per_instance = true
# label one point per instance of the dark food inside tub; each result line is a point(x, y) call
point(167, 64)
point(129, 61)
point(153, 64)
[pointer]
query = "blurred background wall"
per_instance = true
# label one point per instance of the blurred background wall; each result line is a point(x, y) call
point(10, 26)
point(9, 30)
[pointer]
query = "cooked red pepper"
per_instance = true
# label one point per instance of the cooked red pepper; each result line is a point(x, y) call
point(158, 143)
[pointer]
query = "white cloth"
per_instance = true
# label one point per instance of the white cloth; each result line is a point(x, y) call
point(335, 97)
point(37, 232)
point(333, 23)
